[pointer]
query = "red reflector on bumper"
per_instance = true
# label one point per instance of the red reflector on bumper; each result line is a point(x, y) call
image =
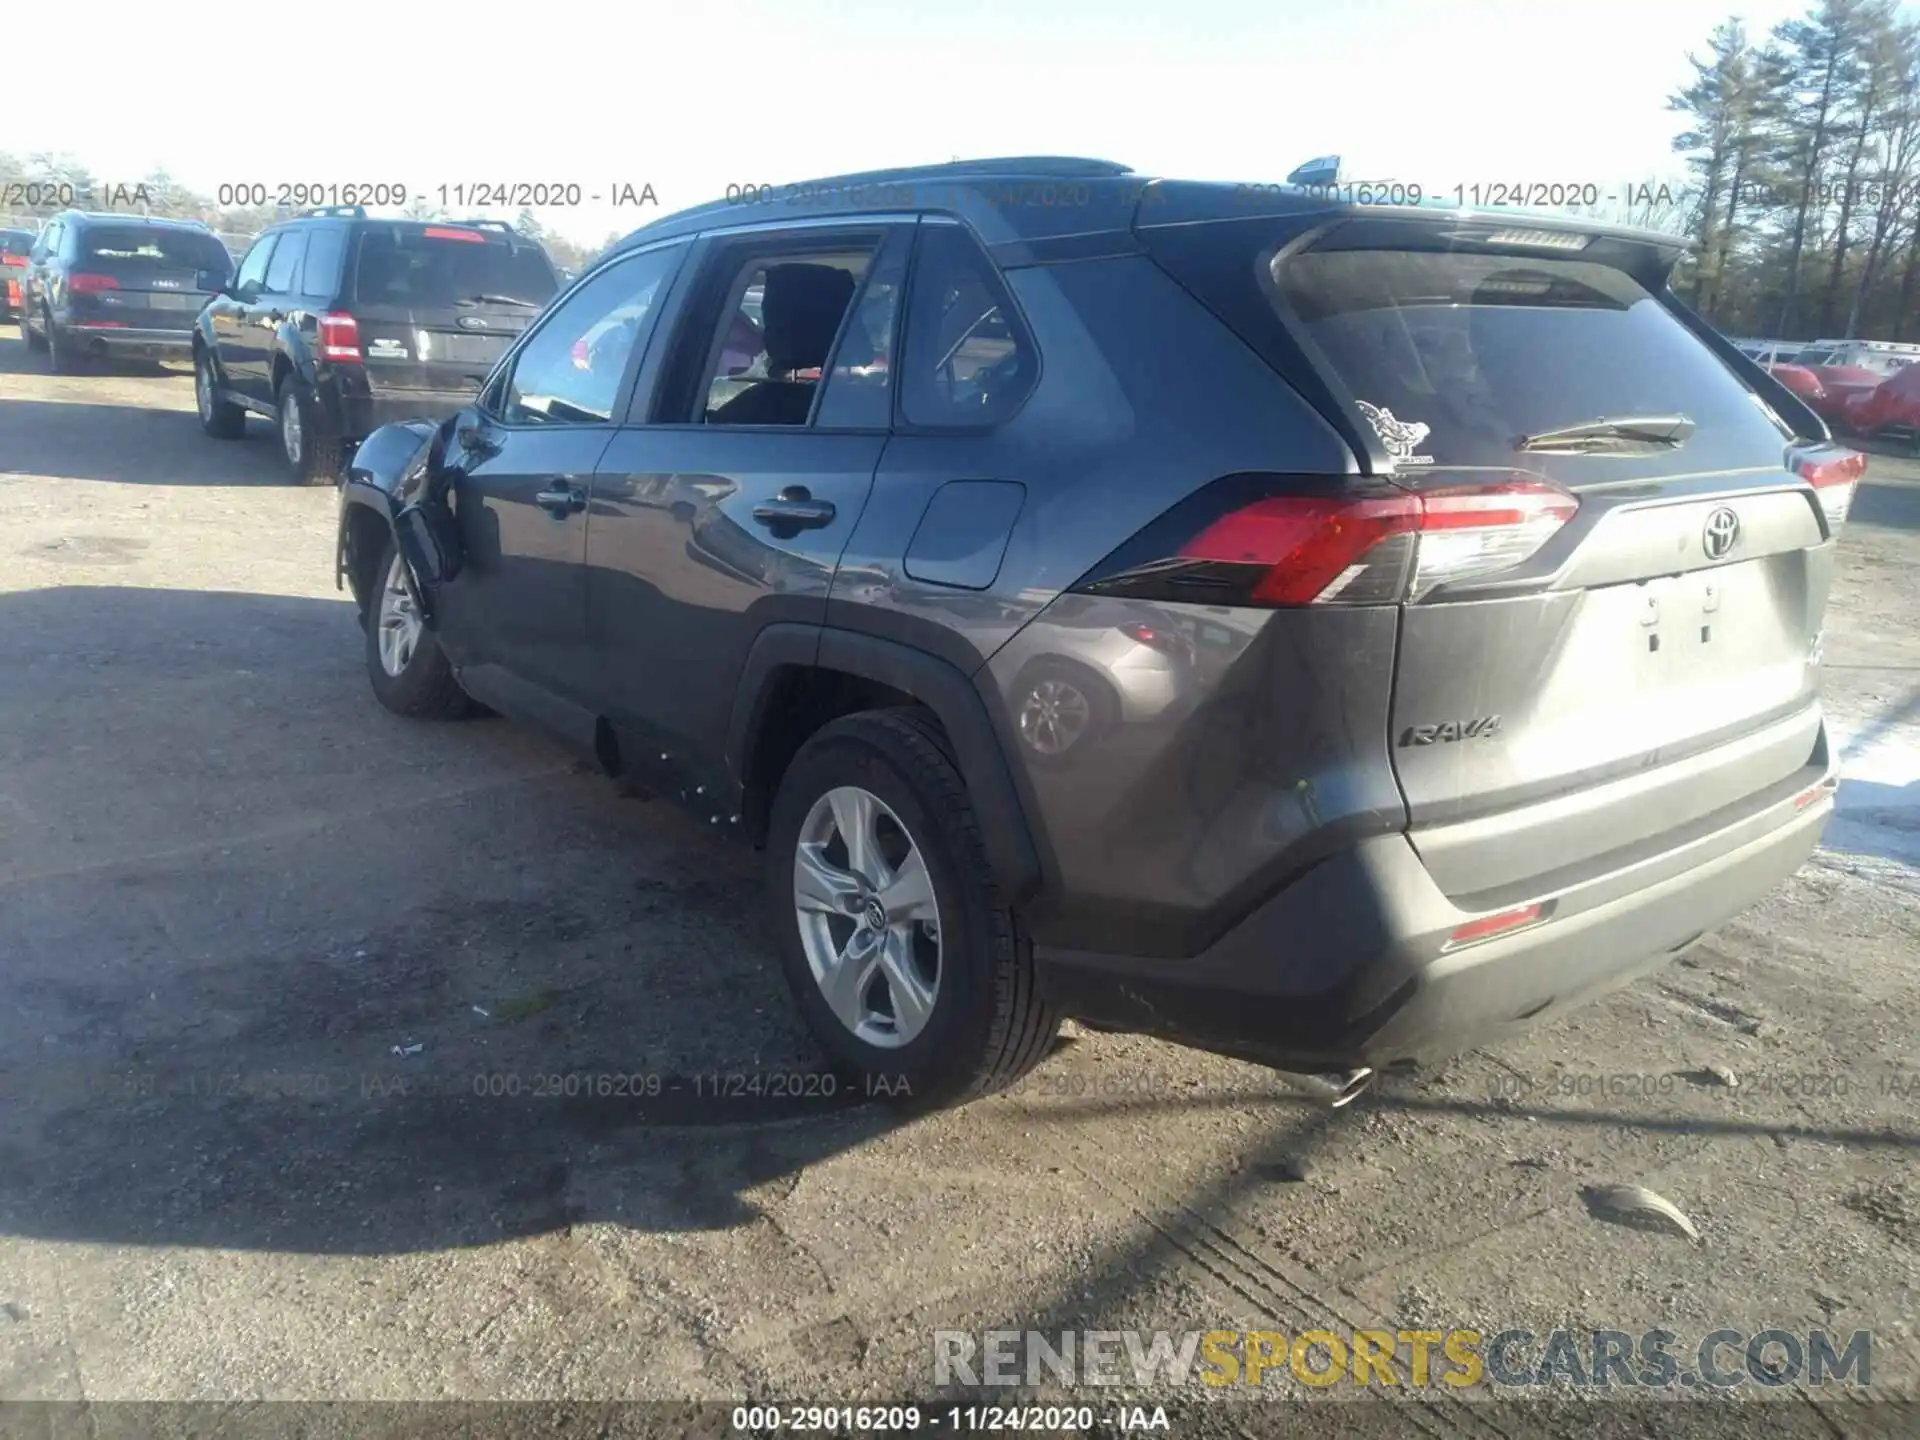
point(1815, 792)
point(1488, 926)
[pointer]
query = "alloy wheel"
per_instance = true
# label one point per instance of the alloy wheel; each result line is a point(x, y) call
point(398, 619)
point(869, 921)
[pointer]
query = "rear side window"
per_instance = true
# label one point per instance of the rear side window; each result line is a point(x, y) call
point(967, 359)
point(284, 273)
point(437, 267)
point(321, 274)
point(1455, 356)
point(150, 247)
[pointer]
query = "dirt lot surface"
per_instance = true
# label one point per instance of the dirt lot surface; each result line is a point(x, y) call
point(290, 989)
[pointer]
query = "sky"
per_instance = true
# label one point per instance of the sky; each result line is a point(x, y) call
point(691, 98)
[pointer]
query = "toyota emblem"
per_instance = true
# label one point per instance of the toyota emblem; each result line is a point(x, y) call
point(1721, 534)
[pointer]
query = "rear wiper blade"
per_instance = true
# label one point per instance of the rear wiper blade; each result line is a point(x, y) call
point(1612, 432)
point(502, 300)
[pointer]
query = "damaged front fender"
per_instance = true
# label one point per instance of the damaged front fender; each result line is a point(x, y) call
point(397, 473)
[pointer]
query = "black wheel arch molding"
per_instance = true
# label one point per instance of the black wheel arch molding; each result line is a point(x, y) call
point(978, 738)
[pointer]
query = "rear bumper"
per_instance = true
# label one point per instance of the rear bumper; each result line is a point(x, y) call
point(125, 340)
point(1348, 965)
point(352, 416)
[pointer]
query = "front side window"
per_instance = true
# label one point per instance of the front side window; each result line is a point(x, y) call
point(968, 361)
point(570, 369)
point(777, 323)
point(253, 269)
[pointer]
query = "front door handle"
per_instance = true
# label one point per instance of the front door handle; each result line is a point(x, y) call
point(561, 499)
point(794, 508)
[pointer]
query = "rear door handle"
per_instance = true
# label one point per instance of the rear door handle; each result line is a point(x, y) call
point(794, 508)
point(561, 499)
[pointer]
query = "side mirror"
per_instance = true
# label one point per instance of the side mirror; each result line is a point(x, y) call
point(211, 282)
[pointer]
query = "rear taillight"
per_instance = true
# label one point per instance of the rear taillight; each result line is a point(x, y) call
point(340, 338)
point(13, 292)
point(1156, 637)
point(1377, 546)
point(91, 284)
point(1834, 474)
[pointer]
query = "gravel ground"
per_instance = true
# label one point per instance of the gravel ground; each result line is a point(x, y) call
point(286, 979)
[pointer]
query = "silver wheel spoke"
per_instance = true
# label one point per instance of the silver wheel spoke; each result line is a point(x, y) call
point(399, 621)
point(912, 999)
point(891, 909)
point(853, 816)
point(846, 979)
point(820, 886)
point(908, 895)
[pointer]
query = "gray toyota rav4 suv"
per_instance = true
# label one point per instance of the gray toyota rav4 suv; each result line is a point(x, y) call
point(1331, 634)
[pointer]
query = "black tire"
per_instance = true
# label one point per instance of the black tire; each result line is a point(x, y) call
point(60, 357)
point(425, 688)
point(319, 459)
point(35, 340)
point(219, 418)
point(988, 1024)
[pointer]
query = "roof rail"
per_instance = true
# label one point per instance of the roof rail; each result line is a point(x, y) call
point(356, 212)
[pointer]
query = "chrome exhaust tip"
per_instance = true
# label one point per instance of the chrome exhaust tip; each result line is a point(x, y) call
point(1337, 1088)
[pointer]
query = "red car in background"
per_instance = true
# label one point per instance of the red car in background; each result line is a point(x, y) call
point(1801, 381)
point(1888, 411)
point(1837, 383)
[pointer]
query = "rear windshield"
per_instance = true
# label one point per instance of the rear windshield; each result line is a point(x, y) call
point(1471, 351)
point(149, 247)
point(418, 269)
point(15, 242)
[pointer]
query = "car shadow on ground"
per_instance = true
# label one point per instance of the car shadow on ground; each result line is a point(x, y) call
point(286, 972)
point(84, 440)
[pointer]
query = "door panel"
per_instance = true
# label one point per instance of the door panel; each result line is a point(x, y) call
point(682, 574)
point(519, 503)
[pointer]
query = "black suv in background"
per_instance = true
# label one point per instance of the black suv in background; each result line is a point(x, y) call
point(14, 245)
point(122, 285)
point(336, 324)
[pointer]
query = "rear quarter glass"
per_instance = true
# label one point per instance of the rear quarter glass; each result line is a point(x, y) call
point(1454, 356)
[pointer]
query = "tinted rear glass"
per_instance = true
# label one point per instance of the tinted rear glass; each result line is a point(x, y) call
point(15, 242)
point(414, 268)
point(1484, 349)
point(140, 247)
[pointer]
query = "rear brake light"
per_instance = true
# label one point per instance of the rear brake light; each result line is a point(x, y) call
point(440, 232)
point(1379, 547)
point(1834, 474)
point(91, 284)
point(1812, 793)
point(19, 260)
point(340, 338)
point(1488, 926)
point(13, 292)
point(1155, 637)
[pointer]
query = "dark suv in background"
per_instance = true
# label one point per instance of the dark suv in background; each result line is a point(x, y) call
point(98, 285)
point(336, 324)
point(1334, 634)
point(14, 245)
